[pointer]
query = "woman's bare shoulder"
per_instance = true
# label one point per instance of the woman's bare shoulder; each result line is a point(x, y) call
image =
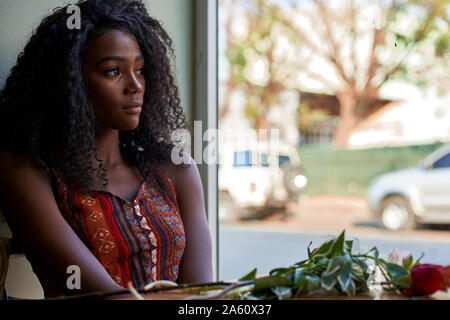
point(180, 174)
point(24, 185)
point(16, 170)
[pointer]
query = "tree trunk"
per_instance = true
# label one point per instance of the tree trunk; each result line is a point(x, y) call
point(261, 122)
point(347, 118)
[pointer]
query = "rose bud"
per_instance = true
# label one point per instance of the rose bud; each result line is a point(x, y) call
point(429, 278)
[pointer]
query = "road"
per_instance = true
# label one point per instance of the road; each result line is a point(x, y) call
point(279, 241)
point(241, 249)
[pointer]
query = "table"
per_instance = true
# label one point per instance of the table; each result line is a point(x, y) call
point(180, 295)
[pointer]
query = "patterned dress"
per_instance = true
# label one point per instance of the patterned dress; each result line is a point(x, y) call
point(137, 241)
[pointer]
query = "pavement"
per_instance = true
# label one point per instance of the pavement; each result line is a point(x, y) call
point(325, 214)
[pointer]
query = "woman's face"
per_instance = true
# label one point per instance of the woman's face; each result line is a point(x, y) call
point(114, 70)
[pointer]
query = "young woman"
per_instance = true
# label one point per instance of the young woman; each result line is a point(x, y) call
point(87, 180)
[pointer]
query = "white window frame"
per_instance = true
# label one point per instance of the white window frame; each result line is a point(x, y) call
point(205, 106)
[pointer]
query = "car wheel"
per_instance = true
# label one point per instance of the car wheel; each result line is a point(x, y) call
point(396, 214)
point(227, 208)
point(294, 180)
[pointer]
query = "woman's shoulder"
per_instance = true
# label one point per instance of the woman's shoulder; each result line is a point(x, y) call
point(181, 174)
point(25, 190)
point(21, 171)
point(10, 160)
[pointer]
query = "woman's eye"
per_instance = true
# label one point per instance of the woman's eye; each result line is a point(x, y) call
point(112, 72)
point(141, 70)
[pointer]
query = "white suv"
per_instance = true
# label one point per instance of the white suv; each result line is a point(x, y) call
point(252, 179)
point(419, 195)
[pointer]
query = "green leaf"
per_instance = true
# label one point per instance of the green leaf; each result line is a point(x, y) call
point(334, 265)
point(309, 251)
point(404, 281)
point(312, 283)
point(348, 246)
point(300, 263)
point(418, 260)
point(249, 276)
point(407, 262)
point(337, 247)
point(337, 263)
point(329, 249)
point(361, 264)
point(281, 271)
point(307, 284)
point(300, 286)
point(343, 276)
point(260, 295)
point(282, 292)
point(361, 281)
point(299, 273)
point(350, 290)
point(271, 281)
point(327, 281)
point(322, 251)
point(395, 270)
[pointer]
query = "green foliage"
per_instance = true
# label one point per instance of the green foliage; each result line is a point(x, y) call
point(442, 45)
point(349, 172)
point(332, 266)
point(431, 27)
point(307, 117)
point(250, 276)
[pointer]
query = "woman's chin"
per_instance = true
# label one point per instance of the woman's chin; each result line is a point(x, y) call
point(129, 126)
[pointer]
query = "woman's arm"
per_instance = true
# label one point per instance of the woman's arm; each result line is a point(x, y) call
point(196, 264)
point(30, 208)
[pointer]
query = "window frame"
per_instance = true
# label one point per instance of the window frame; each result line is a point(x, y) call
point(205, 108)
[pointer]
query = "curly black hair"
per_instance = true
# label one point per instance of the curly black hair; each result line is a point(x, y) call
point(45, 111)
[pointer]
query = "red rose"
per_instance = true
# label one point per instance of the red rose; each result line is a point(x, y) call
point(429, 278)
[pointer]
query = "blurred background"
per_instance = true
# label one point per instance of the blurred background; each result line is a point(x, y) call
point(358, 91)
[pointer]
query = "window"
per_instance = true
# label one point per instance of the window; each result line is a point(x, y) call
point(336, 196)
point(443, 162)
point(283, 159)
point(264, 160)
point(242, 159)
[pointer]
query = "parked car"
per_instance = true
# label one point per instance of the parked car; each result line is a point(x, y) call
point(420, 195)
point(253, 179)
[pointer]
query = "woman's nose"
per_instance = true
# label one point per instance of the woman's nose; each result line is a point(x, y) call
point(135, 84)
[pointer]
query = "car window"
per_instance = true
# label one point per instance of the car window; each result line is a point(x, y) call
point(242, 159)
point(443, 162)
point(283, 159)
point(264, 160)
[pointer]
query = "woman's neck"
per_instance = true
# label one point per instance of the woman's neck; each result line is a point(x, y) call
point(107, 143)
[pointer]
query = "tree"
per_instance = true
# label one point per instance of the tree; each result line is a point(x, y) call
point(351, 48)
point(253, 50)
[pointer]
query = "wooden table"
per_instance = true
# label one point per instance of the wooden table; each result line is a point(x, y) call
point(181, 295)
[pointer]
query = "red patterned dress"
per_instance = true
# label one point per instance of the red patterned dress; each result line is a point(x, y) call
point(137, 241)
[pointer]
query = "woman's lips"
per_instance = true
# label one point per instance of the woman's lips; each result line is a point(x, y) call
point(133, 109)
